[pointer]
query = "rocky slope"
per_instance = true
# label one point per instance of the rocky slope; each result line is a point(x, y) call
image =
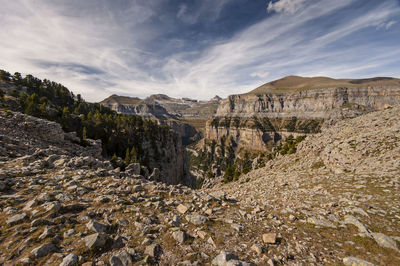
point(297, 105)
point(334, 201)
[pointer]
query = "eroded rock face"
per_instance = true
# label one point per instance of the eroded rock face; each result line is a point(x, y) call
point(255, 119)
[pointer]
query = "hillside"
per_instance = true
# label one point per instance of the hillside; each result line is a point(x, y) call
point(125, 139)
point(337, 196)
point(333, 201)
point(297, 83)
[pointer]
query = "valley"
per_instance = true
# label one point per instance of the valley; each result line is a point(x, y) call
point(283, 175)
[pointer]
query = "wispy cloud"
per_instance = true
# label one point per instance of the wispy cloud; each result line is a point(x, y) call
point(138, 48)
point(287, 6)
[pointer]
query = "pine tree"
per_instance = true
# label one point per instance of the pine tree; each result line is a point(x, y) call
point(127, 157)
point(84, 133)
point(133, 155)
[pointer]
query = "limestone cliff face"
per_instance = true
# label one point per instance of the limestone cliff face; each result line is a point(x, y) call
point(264, 116)
point(307, 104)
point(169, 156)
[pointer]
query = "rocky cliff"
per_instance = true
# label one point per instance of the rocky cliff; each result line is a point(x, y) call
point(163, 107)
point(185, 116)
point(297, 105)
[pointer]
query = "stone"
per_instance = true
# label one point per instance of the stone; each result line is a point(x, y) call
point(155, 175)
point(97, 240)
point(52, 206)
point(30, 204)
point(39, 221)
point(179, 236)
point(133, 168)
point(69, 260)
point(349, 219)
point(201, 234)
point(237, 227)
point(102, 199)
point(196, 219)
point(115, 261)
point(96, 226)
point(223, 258)
point(47, 232)
point(125, 258)
point(3, 186)
point(138, 188)
point(44, 250)
point(353, 261)
point(153, 250)
point(68, 233)
point(269, 238)
point(320, 222)
point(385, 241)
point(16, 219)
point(176, 221)
point(182, 208)
point(257, 249)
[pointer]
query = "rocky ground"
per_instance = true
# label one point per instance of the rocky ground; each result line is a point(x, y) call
point(336, 201)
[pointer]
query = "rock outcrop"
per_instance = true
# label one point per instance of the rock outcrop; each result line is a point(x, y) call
point(296, 105)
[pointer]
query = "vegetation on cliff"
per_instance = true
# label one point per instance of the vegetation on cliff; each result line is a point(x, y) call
point(121, 135)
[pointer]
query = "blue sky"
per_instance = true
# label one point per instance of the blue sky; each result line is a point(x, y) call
point(198, 48)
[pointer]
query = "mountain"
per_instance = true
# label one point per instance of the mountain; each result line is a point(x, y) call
point(250, 129)
point(163, 107)
point(297, 83)
point(297, 105)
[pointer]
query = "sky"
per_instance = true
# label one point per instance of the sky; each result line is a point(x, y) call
point(197, 48)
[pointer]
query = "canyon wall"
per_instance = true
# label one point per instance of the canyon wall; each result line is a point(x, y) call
point(257, 120)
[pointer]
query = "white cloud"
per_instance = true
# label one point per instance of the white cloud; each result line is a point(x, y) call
point(286, 6)
point(386, 25)
point(261, 75)
point(44, 41)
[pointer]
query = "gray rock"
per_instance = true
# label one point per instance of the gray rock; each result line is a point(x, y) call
point(97, 240)
point(133, 168)
point(52, 206)
point(223, 258)
point(176, 221)
point(68, 233)
point(237, 227)
point(122, 259)
point(69, 260)
point(196, 219)
point(47, 232)
point(44, 250)
point(320, 222)
point(153, 250)
point(96, 226)
point(30, 204)
point(179, 236)
point(385, 241)
point(349, 219)
point(16, 219)
point(3, 186)
point(353, 261)
point(115, 261)
point(39, 221)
